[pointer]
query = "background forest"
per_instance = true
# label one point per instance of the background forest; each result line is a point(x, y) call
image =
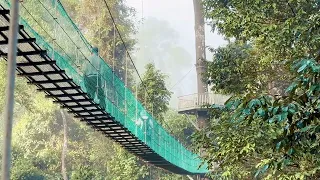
point(48, 143)
point(269, 129)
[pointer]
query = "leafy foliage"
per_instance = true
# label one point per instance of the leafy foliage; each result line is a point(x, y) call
point(153, 93)
point(231, 70)
point(278, 33)
point(283, 30)
point(257, 134)
point(276, 137)
point(24, 168)
point(84, 172)
point(99, 28)
point(240, 67)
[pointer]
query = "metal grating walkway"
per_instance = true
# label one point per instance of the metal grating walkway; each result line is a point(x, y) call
point(34, 64)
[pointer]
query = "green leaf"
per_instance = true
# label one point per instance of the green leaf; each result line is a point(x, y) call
point(254, 102)
point(271, 120)
point(292, 87)
point(257, 173)
point(302, 67)
point(300, 124)
point(275, 110)
point(291, 151)
point(282, 117)
point(285, 109)
point(305, 129)
point(278, 146)
point(316, 69)
point(265, 167)
point(246, 111)
point(261, 112)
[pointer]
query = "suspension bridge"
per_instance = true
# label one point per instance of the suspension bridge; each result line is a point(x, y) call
point(53, 54)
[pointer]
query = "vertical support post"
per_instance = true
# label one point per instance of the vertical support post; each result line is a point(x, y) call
point(126, 88)
point(113, 66)
point(8, 116)
point(145, 130)
point(106, 95)
point(114, 47)
point(54, 29)
point(145, 120)
point(136, 109)
point(97, 85)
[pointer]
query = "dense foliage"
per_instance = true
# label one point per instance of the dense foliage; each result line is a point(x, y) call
point(277, 32)
point(260, 133)
point(95, 22)
point(230, 66)
point(282, 29)
point(153, 93)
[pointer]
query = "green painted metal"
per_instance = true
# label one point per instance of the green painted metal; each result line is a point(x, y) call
point(49, 23)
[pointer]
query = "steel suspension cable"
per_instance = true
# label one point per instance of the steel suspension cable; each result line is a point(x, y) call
point(180, 80)
point(116, 28)
point(126, 49)
point(67, 36)
point(127, 53)
point(143, 84)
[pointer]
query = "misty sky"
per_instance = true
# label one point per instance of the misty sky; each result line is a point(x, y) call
point(179, 14)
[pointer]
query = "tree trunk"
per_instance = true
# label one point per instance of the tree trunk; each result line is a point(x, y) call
point(64, 147)
point(199, 29)
point(202, 86)
point(200, 55)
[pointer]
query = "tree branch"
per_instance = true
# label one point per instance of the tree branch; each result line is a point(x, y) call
point(318, 57)
point(292, 10)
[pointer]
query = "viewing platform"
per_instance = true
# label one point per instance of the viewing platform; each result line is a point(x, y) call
point(190, 104)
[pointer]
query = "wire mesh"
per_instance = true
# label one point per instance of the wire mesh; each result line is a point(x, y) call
point(73, 53)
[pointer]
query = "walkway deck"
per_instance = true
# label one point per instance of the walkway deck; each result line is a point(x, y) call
point(35, 62)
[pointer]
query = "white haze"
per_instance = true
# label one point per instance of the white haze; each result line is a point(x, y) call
point(179, 15)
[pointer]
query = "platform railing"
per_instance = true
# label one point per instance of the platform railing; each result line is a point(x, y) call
point(198, 101)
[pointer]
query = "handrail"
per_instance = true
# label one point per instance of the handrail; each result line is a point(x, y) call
point(197, 101)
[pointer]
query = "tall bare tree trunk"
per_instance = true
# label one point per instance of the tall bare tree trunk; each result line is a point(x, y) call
point(200, 44)
point(202, 86)
point(64, 147)
point(199, 29)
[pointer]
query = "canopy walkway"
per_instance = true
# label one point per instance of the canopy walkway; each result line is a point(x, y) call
point(52, 53)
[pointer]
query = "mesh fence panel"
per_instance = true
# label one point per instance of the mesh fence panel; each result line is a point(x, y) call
point(49, 23)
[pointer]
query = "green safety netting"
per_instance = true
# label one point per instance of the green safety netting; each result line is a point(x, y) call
point(54, 30)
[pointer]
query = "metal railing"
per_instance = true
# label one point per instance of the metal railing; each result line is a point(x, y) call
point(197, 101)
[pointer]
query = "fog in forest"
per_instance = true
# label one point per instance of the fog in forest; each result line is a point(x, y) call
point(167, 40)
